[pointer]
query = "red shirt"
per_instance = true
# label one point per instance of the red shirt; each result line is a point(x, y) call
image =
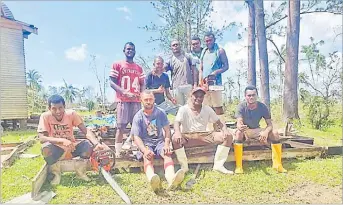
point(129, 77)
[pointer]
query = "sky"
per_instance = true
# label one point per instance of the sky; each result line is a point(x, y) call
point(69, 32)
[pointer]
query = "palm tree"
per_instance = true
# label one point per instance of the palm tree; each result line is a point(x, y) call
point(34, 80)
point(69, 92)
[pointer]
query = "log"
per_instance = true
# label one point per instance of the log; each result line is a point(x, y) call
point(38, 180)
point(15, 153)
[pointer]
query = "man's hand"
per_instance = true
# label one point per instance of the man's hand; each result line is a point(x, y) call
point(68, 145)
point(148, 154)
point(129, 94)
point(160, 89)
point(263, 137)
point(101, 147)
point(178, 138)
point(226, 134)
point(215, 73)
point(242, 127)
point(173, 100)
point(166, 150)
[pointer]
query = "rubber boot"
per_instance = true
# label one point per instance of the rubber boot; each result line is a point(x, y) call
point(55, 169)
point(127, 144)
point(220, 158)
point(81, 169)
point(153, 178)
point(173, 179)
point(182, 158)
point(276, 157)
point(238, 158)
point(118, 148)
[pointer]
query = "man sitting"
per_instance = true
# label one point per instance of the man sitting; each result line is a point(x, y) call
point(55, 131)
point(147, 132)
point(194, 118)
point(249, 114)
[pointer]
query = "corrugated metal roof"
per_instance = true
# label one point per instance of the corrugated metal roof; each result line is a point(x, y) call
point(6, 12)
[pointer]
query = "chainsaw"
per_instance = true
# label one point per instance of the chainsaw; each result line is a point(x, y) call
point(210, 82)
point(103, 161)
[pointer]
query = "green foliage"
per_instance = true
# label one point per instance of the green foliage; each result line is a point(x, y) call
point(90, 105)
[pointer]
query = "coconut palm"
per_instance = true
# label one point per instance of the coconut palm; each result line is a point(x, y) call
point(69, 92)
point(34, 80)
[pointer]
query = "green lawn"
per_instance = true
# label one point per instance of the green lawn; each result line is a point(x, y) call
point(307, 181)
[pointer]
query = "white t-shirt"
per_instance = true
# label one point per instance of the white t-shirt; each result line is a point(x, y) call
point(195, 123)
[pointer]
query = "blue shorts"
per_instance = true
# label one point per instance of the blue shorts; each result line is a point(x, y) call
point(158, 150)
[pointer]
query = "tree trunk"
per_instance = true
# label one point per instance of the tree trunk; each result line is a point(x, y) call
point(262, 51)
point(290, 96)
point(251, 45)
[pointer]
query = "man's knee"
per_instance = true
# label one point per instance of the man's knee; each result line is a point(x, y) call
point(51, 153)
point(274, 135)
point(239, 136)
point(85, 149)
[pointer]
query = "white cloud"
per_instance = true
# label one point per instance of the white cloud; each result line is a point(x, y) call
point(128, 18)
point(77, 53)
point(124, 9)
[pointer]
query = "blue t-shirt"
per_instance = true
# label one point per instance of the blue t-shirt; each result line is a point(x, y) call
point(154, 82)
point(211, 62)
point(150, 128)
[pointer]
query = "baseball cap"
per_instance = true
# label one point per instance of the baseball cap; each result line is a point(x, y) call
point(199, 89)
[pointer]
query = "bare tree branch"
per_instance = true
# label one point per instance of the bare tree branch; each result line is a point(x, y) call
point(277, 49)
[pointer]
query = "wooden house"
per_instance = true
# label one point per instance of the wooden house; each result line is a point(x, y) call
point(13, 91)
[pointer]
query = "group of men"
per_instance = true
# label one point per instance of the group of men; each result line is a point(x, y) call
point(141, 102)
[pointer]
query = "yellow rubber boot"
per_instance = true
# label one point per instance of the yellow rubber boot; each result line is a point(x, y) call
point(238, 158)
point(277, 158)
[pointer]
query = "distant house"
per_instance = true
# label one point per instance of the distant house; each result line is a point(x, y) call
point(13, 93)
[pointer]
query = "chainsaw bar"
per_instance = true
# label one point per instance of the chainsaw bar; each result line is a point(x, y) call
point(115, 186)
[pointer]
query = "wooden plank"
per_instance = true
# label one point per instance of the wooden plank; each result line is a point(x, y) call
point(15, 153)
point(6, 150)
point(255, 155)
point(10, 144)
point(39, 180)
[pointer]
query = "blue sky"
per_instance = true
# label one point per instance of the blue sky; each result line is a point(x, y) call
point(103, 27)
point(68, 32)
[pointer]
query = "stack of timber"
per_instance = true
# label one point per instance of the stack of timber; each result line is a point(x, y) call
point(11, 151)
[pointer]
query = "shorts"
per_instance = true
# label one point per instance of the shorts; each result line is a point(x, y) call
point(196, 139)
point(213, 99)
point(158, 150)
point(125, 113)
point(52, 153)
point(169, 107)
point(252, 133)
point(182, 93)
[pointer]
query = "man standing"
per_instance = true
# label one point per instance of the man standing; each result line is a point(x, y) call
point(249, 114)
point(158, 82)
point(55, 131)
point(183, 73)
point(147, 130)
point(196, 49)
point(190, 131)
point(127, 79)
point(214, 62)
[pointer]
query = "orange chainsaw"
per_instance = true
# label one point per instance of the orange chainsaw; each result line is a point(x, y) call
point(103, 161)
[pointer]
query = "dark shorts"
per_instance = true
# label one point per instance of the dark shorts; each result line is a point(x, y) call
point(125, 113)
point(52, 153)
point(158, 149)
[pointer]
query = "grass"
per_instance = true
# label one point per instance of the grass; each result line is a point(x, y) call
point(17, 136)
point(259, 183)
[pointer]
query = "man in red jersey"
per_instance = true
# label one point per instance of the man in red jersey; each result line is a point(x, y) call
point(127, 79)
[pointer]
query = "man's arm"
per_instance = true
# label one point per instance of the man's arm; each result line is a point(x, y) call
point(168, 95)
point(115, 86)
point(89, 134)
point(269, 127)
point(195, 75)
point(44, 137)
point(224, 60)
point(167, 134)
point(138, 141)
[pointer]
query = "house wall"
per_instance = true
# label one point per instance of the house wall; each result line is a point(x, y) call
point(13, 93)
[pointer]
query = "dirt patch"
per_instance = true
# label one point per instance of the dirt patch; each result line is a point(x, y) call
point(311, 193)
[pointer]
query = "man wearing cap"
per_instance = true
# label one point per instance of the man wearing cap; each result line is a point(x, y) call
point(190, 131)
